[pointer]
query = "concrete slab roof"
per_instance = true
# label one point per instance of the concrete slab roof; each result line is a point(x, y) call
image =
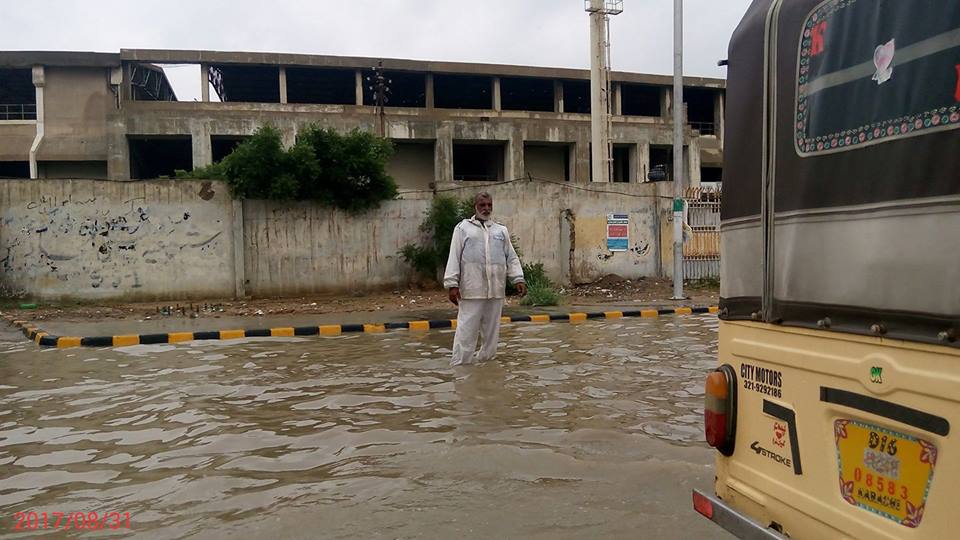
point(173, 56)
point(24, 59)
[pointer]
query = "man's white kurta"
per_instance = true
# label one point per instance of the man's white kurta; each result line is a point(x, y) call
point(481, 260)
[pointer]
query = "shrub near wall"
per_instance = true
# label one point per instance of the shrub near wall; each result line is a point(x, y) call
point(346, 171)
point(430, 259)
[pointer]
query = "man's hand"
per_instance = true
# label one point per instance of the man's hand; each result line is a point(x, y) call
point(455, 295)
point(522, 288)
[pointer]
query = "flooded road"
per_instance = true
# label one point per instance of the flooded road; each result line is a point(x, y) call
point(575, 430)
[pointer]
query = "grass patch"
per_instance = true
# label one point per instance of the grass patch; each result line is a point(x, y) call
point(540, 290)
point(541, 296)
point(711, 283)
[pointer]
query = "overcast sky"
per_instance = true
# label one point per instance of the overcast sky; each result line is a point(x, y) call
point(527, 32)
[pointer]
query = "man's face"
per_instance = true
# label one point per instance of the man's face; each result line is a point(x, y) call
point(483, 207)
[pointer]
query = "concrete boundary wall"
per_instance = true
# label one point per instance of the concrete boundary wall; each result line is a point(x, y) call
point(181, 239)
point(100, 240)
point(564, 225)
point(297, 248)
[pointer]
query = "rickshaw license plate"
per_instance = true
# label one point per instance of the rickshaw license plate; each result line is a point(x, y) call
point(884, 471)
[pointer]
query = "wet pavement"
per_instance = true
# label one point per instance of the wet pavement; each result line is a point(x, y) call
point(575, 430)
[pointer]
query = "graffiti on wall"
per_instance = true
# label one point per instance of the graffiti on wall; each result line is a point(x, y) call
point(79, 243)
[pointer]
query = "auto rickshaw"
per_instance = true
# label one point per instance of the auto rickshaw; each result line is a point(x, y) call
point(835, 406)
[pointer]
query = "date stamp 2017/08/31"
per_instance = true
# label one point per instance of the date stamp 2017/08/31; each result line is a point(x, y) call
point(90, 521)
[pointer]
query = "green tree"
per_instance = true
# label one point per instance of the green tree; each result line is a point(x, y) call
point(346, 171)
point(351, 168)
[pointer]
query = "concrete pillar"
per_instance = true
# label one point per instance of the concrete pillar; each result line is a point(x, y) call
point(239, 264)
point(443, 155)
point(582, 159)
point(558, 96)
point(643, 161)
point(719, 116)
point(617, 100)
point(496, 93)
point(599, 94)
point(429, 96)
point(666, 100)
point(202, 149)
point(204, 83)
point(126, 93)
point(635, 173)
point(118, 149)
point(515, 165)
point(359, 87)
point(693, 162)
point(283, 84)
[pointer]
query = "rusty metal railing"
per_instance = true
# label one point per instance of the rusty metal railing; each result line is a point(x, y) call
point(701, 251)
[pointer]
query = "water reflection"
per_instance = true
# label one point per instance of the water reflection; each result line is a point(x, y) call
point(192, 438)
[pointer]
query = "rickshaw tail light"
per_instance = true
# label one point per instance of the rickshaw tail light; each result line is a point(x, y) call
point(719, 410)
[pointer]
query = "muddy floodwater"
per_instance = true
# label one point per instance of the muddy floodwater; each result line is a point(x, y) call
point(574, 431)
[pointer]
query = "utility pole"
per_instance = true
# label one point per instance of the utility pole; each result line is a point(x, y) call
point(379, 87)
point(678, 150)
point(600, 117)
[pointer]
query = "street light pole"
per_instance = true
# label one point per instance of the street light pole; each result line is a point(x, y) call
point(678, 150)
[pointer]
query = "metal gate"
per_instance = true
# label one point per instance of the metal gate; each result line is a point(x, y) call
point(701, 252)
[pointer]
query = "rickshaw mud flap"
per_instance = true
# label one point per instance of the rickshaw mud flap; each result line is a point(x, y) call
point(731, 520)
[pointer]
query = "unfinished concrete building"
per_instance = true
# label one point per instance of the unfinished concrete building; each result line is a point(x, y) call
point(116, 116)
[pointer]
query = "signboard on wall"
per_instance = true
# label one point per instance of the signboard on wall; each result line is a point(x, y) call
point(618, 236)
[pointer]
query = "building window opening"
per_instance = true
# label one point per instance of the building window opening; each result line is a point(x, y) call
point(481, 162)
point(406, 89)
point(222, 146)
point(149, 82)
point(462, 91)
point(526, 94)
point(662, 157)
point(621, 163)
point(711, 175)
point(576, 97)
point(322, 86)
point(159, 156)
point(14, 169)
point(411, 164)
point(547, 161)
point(18, 97)
point(700, 109)
point(241, 83)
point(640, 100)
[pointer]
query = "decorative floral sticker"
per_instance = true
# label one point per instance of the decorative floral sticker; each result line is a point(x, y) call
point(837, 111)
point(883, 60)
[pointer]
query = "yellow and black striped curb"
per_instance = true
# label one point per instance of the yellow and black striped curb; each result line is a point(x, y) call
point(44, 339)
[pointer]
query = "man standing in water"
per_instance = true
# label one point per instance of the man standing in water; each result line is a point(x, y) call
point(481, 260)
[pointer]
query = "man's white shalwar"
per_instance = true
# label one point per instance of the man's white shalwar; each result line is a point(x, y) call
point(481, 260)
